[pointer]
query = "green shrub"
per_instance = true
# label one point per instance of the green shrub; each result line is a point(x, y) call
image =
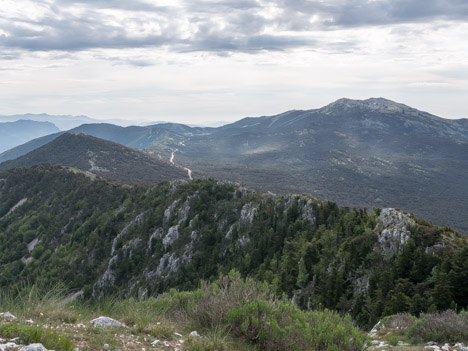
point(28, 335)
point(253, 312)
point(445, 326)
point(401, 322)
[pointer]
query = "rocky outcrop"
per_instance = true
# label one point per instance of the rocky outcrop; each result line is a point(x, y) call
point(393, 231)
point(248, 212)
point(137, 220)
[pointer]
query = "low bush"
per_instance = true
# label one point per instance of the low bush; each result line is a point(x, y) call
point(253, 312)
point(445, 326)
point(400, 321)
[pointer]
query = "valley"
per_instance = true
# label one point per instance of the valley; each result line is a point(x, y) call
point(359, 153)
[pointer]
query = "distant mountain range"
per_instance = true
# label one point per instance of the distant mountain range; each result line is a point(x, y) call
point(21, 131)
point(100, 157)
point(64, 122)
point(360, 153)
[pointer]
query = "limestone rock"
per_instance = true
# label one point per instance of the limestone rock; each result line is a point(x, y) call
point(7, 316)
point(8, 346)
point(33, 347)
point(393, 231)
point(106, 322)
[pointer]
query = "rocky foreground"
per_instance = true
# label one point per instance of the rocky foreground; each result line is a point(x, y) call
point(112, 335)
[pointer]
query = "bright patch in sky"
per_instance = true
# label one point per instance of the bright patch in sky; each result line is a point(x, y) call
point(199, 61)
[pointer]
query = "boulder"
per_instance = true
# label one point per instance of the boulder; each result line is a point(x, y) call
point(106, 322)
point(33, 347)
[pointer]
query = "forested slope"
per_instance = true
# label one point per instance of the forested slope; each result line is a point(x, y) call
point(58, 224)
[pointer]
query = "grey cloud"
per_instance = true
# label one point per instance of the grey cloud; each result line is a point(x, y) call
point(351, 13)
point(249, 44)
point(220, 26)
point(133, 5)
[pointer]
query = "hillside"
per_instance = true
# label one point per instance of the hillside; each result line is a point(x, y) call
point(104, 238)
point(359, 153)
point(100, 157)
point(19, 132)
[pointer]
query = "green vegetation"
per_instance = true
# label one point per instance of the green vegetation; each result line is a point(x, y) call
point(231, 314)
point(108, 239)
point(28, 335)
point(441, 327)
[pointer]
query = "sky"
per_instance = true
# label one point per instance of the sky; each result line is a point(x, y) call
point(201, 61)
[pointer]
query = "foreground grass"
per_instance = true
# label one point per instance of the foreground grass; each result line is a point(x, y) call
point(230, 314)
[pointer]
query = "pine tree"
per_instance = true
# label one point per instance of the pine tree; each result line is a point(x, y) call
point(302, 275)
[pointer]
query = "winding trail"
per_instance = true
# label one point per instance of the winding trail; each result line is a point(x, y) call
point(171, 160)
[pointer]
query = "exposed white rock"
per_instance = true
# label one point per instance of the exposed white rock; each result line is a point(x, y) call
point(308, 212)
point(20, 203)
point(461, 346)
point(194, 334)
point(7, 316)
point(33, 347)
point(130, 246)
point(248, 212)
point(9, 346)
point(157, 234)
point(382, 344)
point(107, 279)
point(137, 220)
point(229, 233)
point(244, 240)
point(393, 231)
point(32, 244)
point(375, 329)
point(168, 212)
point(171, 236)
point(105, 322)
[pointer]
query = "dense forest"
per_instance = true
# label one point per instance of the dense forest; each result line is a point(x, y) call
point(59, 225)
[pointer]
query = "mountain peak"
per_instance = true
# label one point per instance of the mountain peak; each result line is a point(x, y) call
point(375, 104)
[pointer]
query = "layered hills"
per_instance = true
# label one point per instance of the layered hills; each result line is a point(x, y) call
point(100, 157)
point(359, 153)
point(99, 237)
point(18, 132)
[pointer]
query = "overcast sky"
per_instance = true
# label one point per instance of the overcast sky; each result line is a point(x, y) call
point(198, 61)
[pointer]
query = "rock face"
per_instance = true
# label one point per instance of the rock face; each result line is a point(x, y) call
point(393, 231)
point(106, 322)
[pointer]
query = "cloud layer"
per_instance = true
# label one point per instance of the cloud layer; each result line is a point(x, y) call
point(222, 26)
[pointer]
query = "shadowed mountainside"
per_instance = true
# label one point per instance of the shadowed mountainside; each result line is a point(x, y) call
point(100, 157)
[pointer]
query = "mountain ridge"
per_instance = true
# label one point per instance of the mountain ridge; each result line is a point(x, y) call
point(101, 157)
point(59, 226)
point(375, 153)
